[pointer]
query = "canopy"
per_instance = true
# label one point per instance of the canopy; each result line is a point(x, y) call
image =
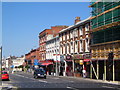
point(86, 60)
point(46, 64)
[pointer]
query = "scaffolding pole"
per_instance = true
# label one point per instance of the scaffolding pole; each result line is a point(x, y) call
point(94, 70)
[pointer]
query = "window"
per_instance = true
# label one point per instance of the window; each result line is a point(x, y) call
point(60, 37)
point(71, 34)
point(80, 29)
point(63, 49)
point(75, 32)
point(81, 46)
point(87, 45)
point(76, 47)
point(68, 35)
point(63, 36)
point(71, 47)
point(86, 27)
point(67, 48)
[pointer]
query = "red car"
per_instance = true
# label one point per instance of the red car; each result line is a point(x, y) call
point(5, 75)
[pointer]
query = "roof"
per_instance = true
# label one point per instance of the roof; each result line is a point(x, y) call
point(75, 25)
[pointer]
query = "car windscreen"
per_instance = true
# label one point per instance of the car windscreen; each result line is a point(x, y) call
point(4, 72)
point(40, 70)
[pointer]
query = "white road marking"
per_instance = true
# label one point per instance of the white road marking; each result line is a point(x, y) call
point(71, 81)
point(72, 88)
point(108, 87)
point(43, 81)
point(30, 78)
point(56, 78)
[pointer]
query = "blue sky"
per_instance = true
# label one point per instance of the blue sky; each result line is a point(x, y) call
point(22, 22)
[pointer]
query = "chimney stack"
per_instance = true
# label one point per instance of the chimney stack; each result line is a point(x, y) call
point(77, 19)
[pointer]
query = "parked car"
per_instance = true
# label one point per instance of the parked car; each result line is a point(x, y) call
point(39, 73)
point(5, 75)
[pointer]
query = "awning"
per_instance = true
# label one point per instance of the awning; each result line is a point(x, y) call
point(56, 61)
point(46, 64)
point(86, 60)
point(69, 60)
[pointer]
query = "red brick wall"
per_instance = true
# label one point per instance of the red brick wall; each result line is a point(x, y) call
point(54, 30)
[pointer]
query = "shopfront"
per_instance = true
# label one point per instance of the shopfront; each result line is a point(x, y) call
point(87, 64)
point(69, 65)
point(78, 65)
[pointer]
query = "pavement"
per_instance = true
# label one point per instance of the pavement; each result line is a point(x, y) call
point(102, 81)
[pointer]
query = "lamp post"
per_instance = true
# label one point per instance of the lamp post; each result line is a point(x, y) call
point(0, 63)
point(56, 56)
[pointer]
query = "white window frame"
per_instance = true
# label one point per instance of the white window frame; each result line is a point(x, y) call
point(81, 30)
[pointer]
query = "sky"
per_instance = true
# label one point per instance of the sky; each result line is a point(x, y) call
point(23, 21)
point(0, 24)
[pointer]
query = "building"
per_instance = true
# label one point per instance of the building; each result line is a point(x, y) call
point(46, 35)
point(74, 47)
point(17, 63)
point(105, 44)
point(31, 56)
point(53, 53)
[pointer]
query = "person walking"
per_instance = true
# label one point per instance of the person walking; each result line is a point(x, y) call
point(84, 72)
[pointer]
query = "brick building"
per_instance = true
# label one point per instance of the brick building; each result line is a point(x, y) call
point(74, 46)
point(46, 35)
point(31, 56)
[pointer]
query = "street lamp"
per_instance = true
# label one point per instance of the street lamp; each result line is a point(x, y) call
point(56, 56)
point(1, 63)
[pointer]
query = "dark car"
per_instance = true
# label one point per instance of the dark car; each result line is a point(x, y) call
point(39, 73)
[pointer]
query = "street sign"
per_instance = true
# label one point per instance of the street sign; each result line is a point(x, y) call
point(35, 62)
point(61, 58)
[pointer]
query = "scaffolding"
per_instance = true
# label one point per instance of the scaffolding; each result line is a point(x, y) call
point(106, 35)
point(105, 13)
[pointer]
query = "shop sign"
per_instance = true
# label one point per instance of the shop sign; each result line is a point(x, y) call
point(86, 56)
point(77, 61)
point(81, 62)
point(61, 58)
point(68, 57)
point(78, 57)
point(87, 63)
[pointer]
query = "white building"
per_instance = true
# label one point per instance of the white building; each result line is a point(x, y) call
point(17, 62)
point(52, 49)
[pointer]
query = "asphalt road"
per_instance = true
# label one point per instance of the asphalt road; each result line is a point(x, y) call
point(26, 80)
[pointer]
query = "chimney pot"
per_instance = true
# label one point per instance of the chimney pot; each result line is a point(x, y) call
point(77, 19)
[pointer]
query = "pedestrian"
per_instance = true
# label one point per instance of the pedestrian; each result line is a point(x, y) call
point(61, 71)
point(84, 72)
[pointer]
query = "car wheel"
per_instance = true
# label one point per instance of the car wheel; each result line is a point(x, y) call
point(36, 77)
point(44, 77)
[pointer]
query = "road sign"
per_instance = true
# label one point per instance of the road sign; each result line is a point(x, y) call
point(35, 62)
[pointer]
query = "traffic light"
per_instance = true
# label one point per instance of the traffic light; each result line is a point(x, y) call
point(110, 64)
point(110, 58)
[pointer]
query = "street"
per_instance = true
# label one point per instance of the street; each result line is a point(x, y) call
point(26, 80)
